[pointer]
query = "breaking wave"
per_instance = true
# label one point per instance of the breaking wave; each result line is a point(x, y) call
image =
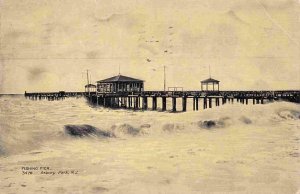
point(210, 124)
point(126, 129)
point(26, 125)
point(86, 130)
point(288, 114)
point(172, 127)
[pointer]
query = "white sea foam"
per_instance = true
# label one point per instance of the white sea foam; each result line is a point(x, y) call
point(230, 148)
point(26, 124)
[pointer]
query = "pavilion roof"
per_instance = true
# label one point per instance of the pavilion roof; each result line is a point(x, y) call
point(119, 78)
point(210, 80)
point(90, 85)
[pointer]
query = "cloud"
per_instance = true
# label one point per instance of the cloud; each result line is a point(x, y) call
point(36, 73)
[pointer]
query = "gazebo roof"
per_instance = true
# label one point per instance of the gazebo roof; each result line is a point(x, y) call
point(119, 78)
point(90, 86)
point(210, 80)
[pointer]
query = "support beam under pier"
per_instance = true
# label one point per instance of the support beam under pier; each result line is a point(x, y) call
point(184, 100)
point(174, 104)
point(164, 103)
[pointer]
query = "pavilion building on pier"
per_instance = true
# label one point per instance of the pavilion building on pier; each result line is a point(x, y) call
point(120, 83)
point(210, 84)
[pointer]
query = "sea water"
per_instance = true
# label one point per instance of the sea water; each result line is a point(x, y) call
point(247, 149)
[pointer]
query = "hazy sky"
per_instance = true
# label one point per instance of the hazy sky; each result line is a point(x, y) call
point(47, 45)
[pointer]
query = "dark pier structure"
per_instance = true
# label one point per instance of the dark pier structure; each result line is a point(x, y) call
point(139, 100)
point(128, 93)
point(51, 96)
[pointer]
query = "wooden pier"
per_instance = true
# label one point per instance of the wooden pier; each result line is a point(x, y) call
point(51, 96)
point(139, 100)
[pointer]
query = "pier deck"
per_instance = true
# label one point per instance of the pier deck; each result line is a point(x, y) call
point(139, 100)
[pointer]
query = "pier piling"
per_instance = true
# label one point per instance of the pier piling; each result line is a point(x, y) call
point(184, 102)
point(145, 103)
point(174, 104)
point(154, 103)
point(164, 103)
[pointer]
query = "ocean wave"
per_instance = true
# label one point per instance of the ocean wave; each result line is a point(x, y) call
point(217, 123)
point(27, 125)
point(245, 120)
point(172, 127)
point(288, 114)
point(126, 129)
point(86, 130)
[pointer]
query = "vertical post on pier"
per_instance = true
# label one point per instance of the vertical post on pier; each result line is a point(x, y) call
point(210, 102)
point(174, 104)
point(247, 101)
point(145, 103)
point(154, 103)
point(194, 103)
point(184, 103)
point(136, 103)
point(257, 101)
point(164, 103)
point(262, 100)
point(101, 101)
point(104, 101)
point(130, 102)
point(253, 100)
point(124, 102)
point(112, 102)
point(204, 102)
point(197, 103)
